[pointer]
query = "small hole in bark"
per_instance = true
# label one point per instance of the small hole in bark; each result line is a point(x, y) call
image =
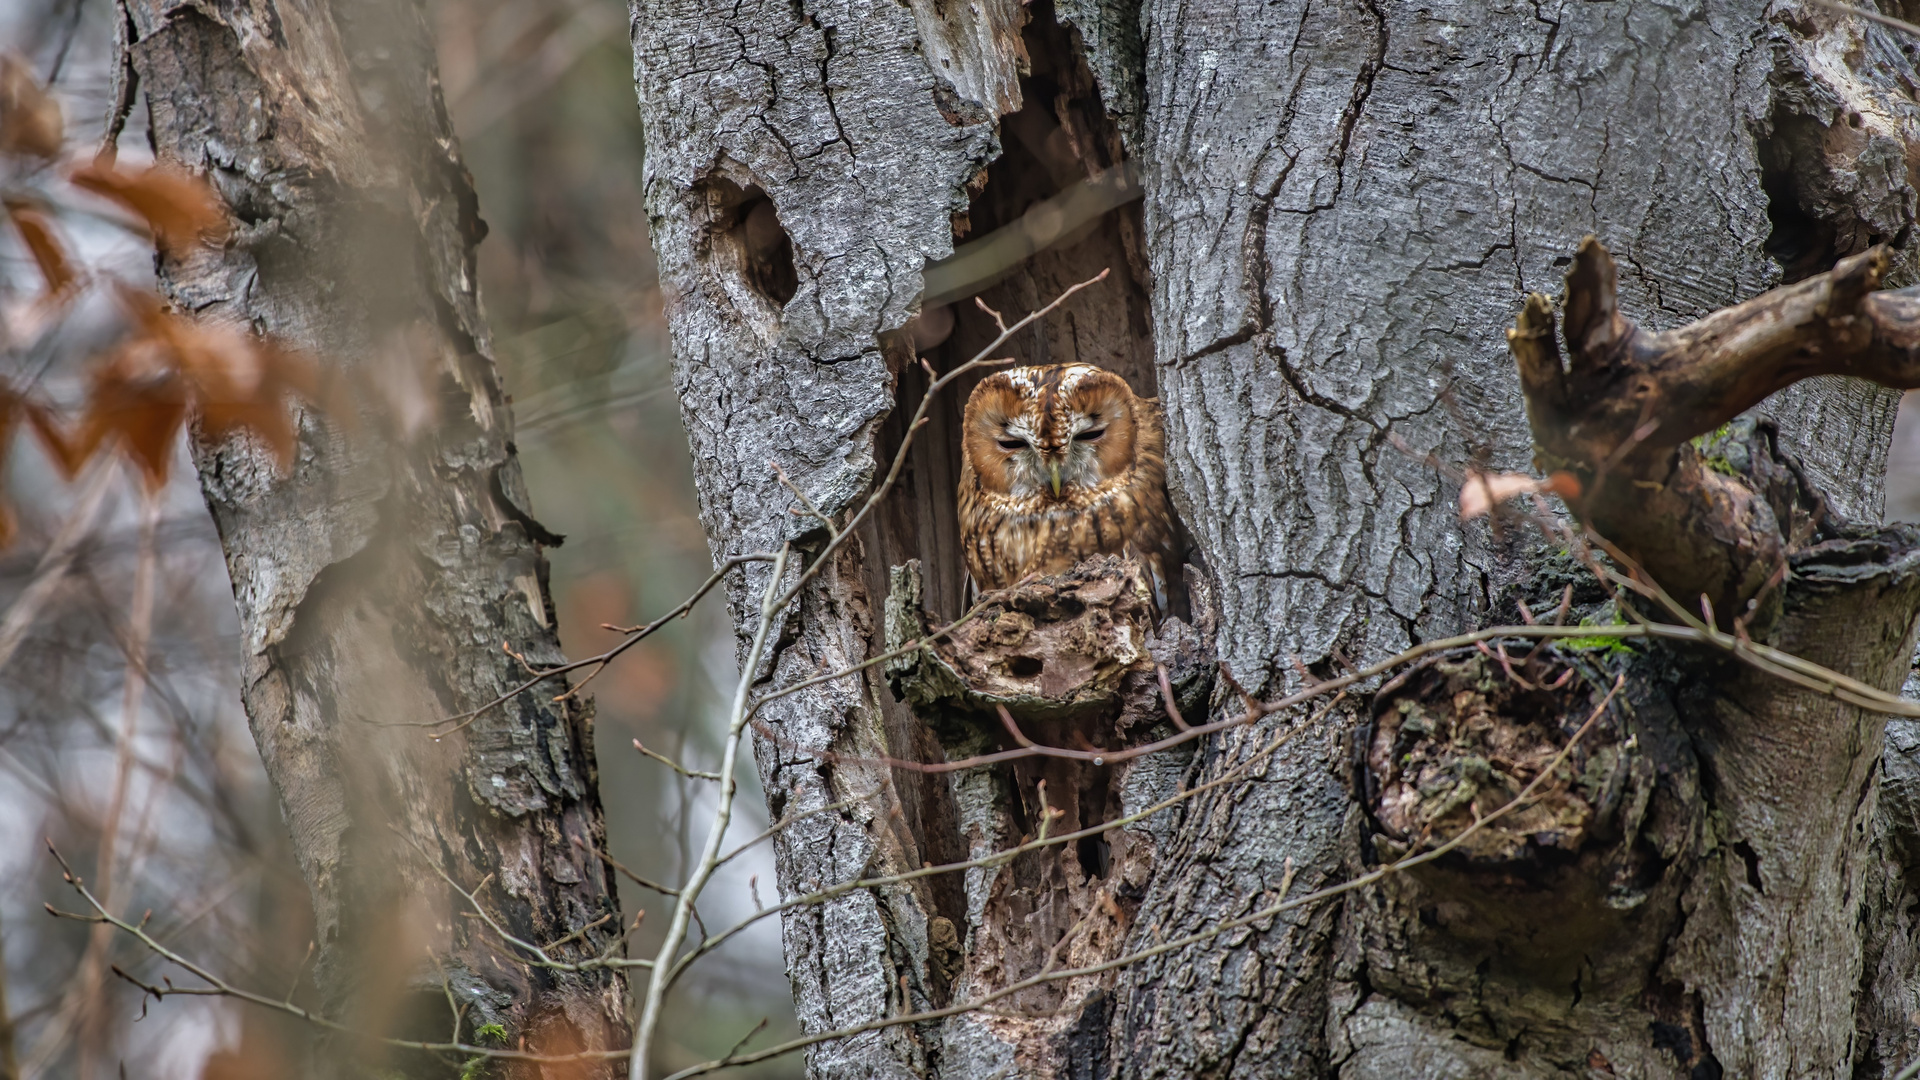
point(1094, 855)
point(768, 249)
point(1752, 859)
point(745, 228)
point(1025, 667)
point(1800, 242)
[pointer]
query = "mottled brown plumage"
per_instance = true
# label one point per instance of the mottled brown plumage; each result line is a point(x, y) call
point(1060, 463)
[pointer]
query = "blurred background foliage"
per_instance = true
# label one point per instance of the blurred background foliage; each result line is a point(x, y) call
point(541, 94)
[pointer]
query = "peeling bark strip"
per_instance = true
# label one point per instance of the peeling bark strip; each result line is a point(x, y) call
point(1344, 204)
point(377, 583)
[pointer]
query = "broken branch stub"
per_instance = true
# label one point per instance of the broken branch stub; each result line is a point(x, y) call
point(1623, 411)
point(1050, 648)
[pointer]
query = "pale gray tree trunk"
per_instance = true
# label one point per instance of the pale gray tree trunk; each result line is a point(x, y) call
point(1344, 206)
point(380, 577)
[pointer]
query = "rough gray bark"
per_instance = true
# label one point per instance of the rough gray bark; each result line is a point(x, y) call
point(1344, 206)
point(378, 579)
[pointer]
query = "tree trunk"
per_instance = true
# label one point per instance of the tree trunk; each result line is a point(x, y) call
point(378, 579)
point(1344, 207)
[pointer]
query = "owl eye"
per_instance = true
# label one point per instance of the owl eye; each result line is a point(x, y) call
point(1010, 445)
point(1090, 436)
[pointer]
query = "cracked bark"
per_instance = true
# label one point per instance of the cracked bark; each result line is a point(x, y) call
point(378, 579)
point(1345, 205)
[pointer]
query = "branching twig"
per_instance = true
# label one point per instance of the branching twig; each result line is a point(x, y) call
point(139, 629)
point(220, 987)
point(770, 607)
point(599, 662)
point(691, 774)
point(980, 359)
point(775, 597)
point(541, 957)
point(1001, 857)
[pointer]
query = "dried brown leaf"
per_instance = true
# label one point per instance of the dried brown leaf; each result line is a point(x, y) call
point(137, 403)
point(179, 207)
point(1564, 484)
point(30, 121)
point(234, 379)
point(1481, 492)
point(241, 382)
point(48, 252)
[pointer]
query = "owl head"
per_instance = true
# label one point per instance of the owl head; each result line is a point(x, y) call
point(1053, 431)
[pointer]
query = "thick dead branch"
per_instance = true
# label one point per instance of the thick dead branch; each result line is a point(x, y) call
point(1625, 410)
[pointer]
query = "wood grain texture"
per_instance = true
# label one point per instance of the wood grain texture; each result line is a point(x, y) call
point(1343, 202)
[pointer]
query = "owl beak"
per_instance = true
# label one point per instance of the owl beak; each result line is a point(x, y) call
point(1053, 471)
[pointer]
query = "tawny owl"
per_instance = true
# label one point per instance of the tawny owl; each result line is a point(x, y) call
point(1061, 463)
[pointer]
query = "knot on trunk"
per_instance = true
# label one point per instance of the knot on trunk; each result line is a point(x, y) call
point(1461, 737)
point(1565, 883)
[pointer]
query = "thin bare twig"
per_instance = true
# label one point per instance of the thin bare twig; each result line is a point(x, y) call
point(541, 957)
point(1871, 16)
point(1001, 857)
point(716, 832)
point(599, 662)
point(691, 774)
point(218, 987)
point(55, 562)
point(983, 358)
point(139, 627)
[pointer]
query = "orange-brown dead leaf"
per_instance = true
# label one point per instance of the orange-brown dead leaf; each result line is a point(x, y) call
point(233, 379)
point(48, 253)
point(10, 403)
point(1481, 492)
point(179, 207)
point(138, 402)
point(30, 121)
point(1564, 484)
